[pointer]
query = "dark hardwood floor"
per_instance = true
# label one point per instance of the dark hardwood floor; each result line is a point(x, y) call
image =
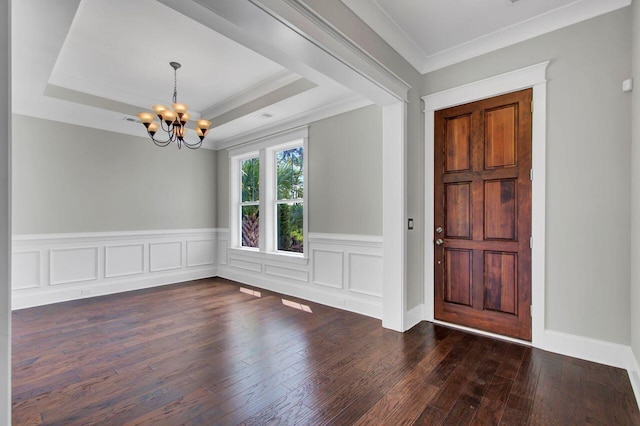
point(205, 353)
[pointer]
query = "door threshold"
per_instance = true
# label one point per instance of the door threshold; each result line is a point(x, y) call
point(481, 332)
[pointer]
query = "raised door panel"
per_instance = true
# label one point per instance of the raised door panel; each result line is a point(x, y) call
point(458, 210)
point(457, 150)
point(501, 137)
point(458, 277)
point(501, 282)
point(500, 215)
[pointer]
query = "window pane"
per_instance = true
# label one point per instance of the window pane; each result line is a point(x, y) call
point(290, 175)
point(251, 179)
point(250, 226)
point(290, 233)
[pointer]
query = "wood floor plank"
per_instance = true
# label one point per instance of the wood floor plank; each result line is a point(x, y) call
point(202, 353)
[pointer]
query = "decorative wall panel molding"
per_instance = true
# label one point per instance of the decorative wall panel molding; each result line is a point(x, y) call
point(59, 267)
point(328, 267)
point(165, 256)
point(121, 260)
point(344, 271)
point(25, 271)
point(200, 253)
point(71, 265)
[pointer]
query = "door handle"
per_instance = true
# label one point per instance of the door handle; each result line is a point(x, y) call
point(439, 241)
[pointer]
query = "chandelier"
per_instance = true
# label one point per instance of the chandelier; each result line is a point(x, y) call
point(173, 121)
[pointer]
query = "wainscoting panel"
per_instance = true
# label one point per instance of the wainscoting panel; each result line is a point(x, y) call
point(344, 271)
point(71, 265)
point(365, 274)
point(223, 244)
point(285, 272)
point(60, 267)
point(123, 260)
point(165, 256)
point(328, 268)
point(200, 253)
point(25, 270)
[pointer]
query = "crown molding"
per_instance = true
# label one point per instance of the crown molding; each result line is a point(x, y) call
point(251, 93)
point(380, 21)
point(302, 119)
point(317, 30)
point(372, 14)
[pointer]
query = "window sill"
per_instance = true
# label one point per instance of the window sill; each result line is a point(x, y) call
point(296, 259)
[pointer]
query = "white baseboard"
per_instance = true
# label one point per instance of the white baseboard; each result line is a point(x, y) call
point(634, 376)
point(55, 268)
point(22, 301)
point(413, 316)
point(599, 351)
point(328, 298)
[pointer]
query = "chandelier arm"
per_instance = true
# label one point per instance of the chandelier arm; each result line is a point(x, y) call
point(195, 145)
point(161, 144)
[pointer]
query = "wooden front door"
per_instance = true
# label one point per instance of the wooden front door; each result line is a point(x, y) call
point(483, 215)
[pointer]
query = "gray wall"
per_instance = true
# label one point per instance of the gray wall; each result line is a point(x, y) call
point(69, 178)
point(345, 174)
point(635, 187)
point(5, 214)
point(222, 173)
point(588, 148)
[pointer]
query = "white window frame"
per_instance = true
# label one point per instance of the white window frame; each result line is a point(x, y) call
point(241, 203)
point(265, 149)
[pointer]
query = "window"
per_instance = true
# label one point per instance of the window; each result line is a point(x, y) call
point(267, 197)
point(250, 202)
point(289, 199)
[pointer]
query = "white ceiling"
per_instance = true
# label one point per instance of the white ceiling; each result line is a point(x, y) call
point(94, 63)
point(432, 34)
point(97, 63)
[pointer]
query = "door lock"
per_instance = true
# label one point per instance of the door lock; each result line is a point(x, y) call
point(439, 230)
point(439, 241)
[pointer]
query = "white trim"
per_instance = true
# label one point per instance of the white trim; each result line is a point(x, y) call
point(261, 88)
point(346, 239)
point(594, 350)
point(326, 35)
point(267, 148)
point(29, 239)
point(394, 206)
point(493, 86)
point(380, 21)
point(303, 119)
point(413, 316)
point(572, 13)
point(266, 256)
point(105, 275)
point(533, 76)
point(338, 253)
point(177, 265)
point(323, 295)
point(108, 274)
point(634, 376)
point(209, 261)
point(53, 268)
point(299, 277)
point(22, 300)
point(268, 141)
